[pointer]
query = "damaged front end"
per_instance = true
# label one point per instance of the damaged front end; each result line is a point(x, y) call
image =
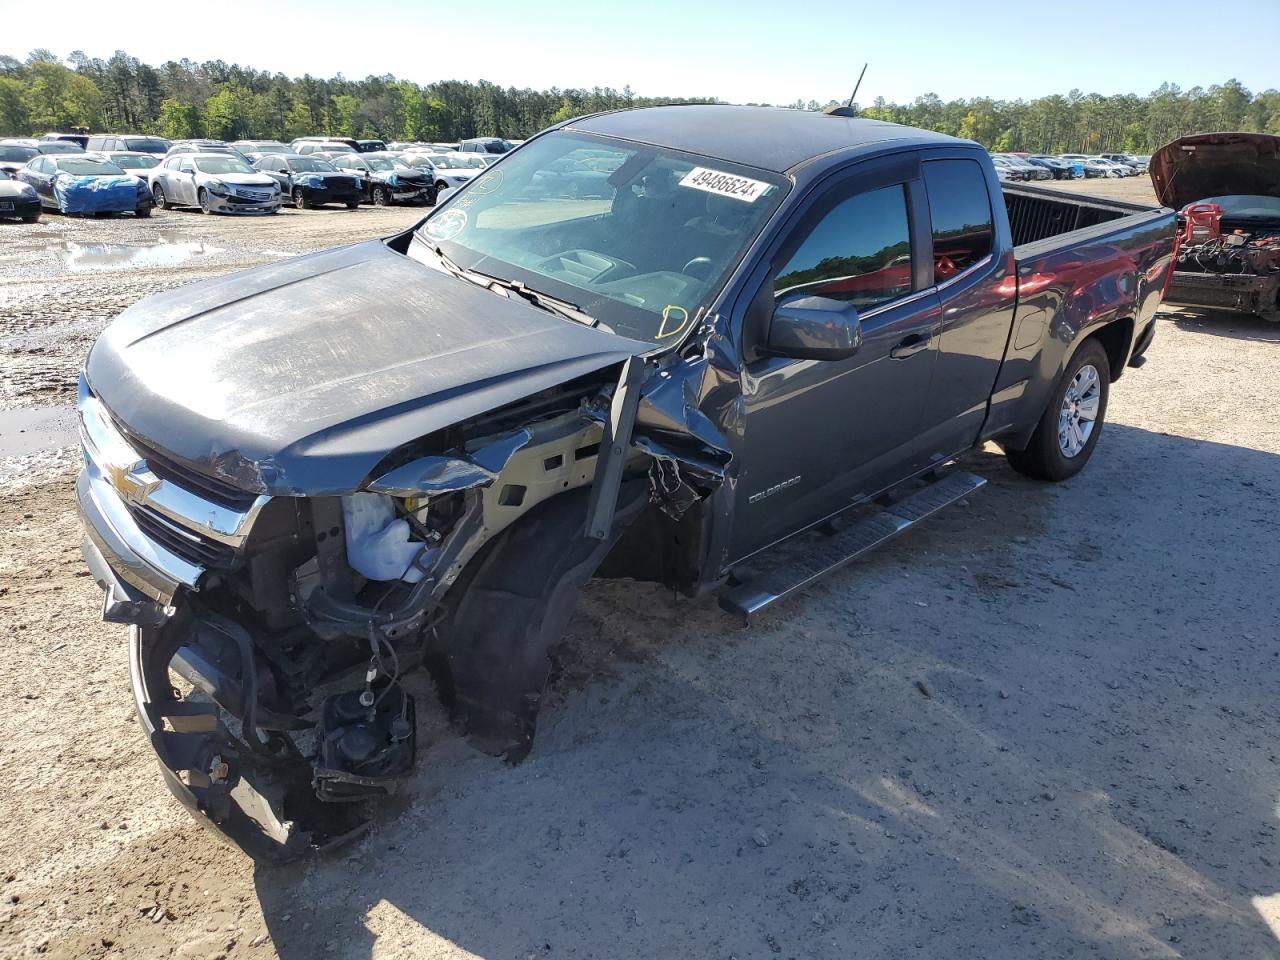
point(270, 635)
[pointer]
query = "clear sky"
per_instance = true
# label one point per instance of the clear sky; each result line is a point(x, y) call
point(774, 51)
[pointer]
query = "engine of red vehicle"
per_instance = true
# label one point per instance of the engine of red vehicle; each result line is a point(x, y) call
point(1234, 252)
point(1203, 222)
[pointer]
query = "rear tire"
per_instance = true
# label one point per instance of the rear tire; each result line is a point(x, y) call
point(142, 212)
point(1069, 428)
point(157, 193)
point(31, 217)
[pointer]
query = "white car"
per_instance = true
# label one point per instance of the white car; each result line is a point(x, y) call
point(450, 169)
point(1109, 167)
point(214, 182)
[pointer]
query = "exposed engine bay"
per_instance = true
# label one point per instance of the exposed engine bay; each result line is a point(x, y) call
point(1206, 244)
point(1246, 258)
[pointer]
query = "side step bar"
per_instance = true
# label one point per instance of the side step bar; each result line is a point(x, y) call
point(747, 599)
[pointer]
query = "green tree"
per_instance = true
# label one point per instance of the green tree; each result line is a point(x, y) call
point(14, 117)
point(179, 121)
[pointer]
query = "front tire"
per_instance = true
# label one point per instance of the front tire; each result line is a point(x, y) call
point(1068, 430)
point(142, 213)
point(353, 204)
point(203, 197)
point(381, 198)
point(299, 199)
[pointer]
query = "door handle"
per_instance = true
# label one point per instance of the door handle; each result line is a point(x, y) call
point(911, 345)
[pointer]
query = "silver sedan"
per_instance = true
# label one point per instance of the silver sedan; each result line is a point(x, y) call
point(214, 182)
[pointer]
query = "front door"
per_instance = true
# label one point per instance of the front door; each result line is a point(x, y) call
point(819, 434)
point(184, 181)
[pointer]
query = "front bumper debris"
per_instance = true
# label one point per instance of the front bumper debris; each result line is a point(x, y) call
point(258, 797)
point(1240, 293)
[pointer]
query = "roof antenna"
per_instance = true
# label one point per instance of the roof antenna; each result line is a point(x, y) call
point(847, 110)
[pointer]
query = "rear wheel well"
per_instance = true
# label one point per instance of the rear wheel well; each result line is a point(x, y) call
point(1115, 338)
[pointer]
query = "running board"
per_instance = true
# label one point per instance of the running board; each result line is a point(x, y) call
point(831, 554)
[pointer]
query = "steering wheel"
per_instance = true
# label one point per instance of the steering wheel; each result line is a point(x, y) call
point(697, 263)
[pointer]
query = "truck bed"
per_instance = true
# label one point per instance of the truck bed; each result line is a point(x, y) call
point(1038, 213)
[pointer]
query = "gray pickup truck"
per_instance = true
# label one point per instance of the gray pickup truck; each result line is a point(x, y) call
point(649, 344)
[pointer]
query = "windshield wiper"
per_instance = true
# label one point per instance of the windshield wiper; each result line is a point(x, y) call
point(570, 311)
point(563, 308)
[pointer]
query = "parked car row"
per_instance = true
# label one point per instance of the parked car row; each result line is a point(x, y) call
point(76, 173)
point(1066, 166)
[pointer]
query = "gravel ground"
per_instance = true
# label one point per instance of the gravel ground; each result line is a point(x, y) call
point(1042, 726)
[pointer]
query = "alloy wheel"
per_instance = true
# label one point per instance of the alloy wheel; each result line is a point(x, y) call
point(1079, 413)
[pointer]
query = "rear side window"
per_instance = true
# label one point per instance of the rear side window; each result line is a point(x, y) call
point(960, 209)
point(860, 252)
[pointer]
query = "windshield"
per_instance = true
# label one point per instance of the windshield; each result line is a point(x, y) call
point(222, 165)
point(451, 163)
point(642, 249)
point(88, 167)
point(60, 146)
point(386, 163)
point(1247, 206)
point(146, 144)
point(18, 154)
point(311, 165)
point(139, 162)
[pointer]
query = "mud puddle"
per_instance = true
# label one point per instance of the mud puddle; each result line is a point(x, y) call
point(29, 430)
point(87, 257)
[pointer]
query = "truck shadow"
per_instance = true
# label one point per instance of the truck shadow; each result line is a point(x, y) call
point(1043, 724)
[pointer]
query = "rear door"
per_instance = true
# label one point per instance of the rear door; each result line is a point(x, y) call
point(819, 434)
point(972, 276)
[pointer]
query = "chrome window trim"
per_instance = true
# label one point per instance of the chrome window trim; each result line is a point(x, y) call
point(984, 262)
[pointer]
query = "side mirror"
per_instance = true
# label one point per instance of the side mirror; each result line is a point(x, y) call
point(814, 328)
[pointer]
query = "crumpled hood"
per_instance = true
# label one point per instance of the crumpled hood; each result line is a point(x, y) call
point(242, 179)
point(299, 377)
point(1216, 165)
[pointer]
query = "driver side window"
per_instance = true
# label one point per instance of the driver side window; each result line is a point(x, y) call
point(860, 252)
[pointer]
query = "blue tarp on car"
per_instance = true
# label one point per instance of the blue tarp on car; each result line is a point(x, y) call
point(96, 194)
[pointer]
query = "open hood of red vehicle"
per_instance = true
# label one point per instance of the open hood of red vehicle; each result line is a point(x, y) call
point(1216, 165)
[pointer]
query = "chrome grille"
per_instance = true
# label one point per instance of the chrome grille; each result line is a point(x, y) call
point(186, 544)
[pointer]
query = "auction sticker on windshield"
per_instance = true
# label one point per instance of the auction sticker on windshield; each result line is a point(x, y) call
point(725, 184)
point(447, 225)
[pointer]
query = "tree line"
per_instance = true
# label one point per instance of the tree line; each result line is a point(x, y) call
point(182, 99)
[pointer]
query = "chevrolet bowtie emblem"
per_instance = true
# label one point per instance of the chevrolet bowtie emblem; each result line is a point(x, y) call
point(133, 481)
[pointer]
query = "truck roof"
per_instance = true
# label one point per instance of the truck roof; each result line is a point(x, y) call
point(771, 138)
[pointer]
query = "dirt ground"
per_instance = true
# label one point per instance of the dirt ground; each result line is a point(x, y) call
point(1044, 725)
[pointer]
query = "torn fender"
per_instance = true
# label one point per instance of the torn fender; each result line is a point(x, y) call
point(690, 454)
point(431, 475)
point(670, 426)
